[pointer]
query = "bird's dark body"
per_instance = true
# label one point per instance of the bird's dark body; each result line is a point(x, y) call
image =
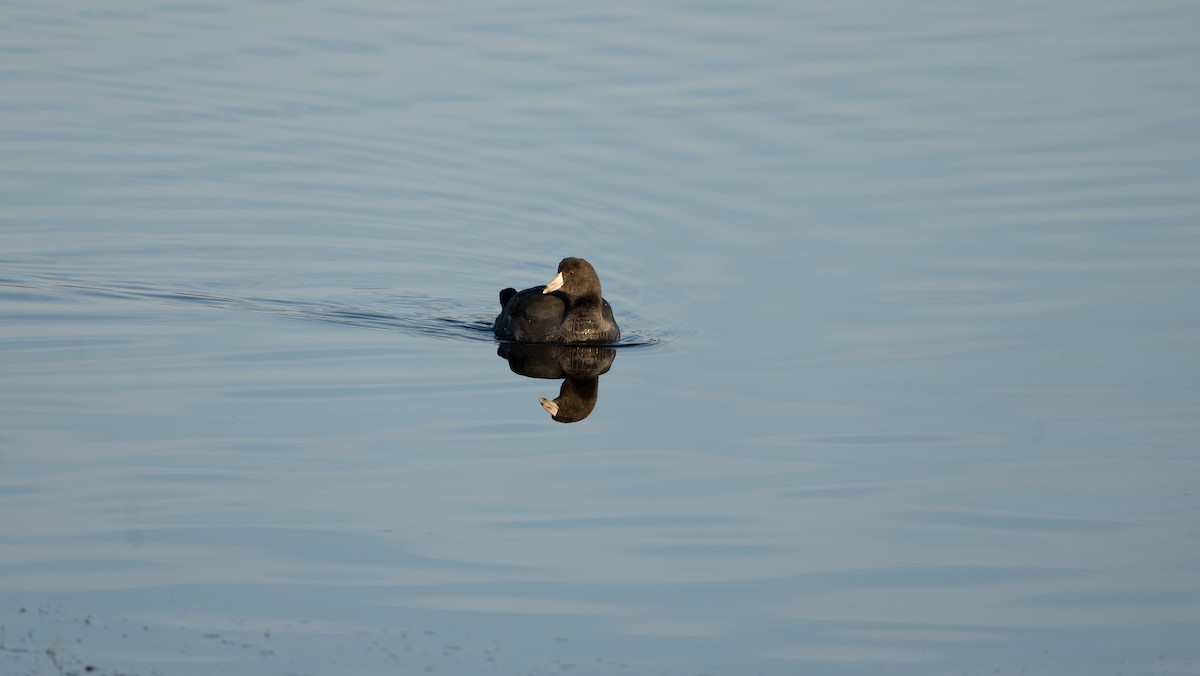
point(574, 312)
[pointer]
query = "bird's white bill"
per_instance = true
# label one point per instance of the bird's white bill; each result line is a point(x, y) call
point(550, 405)
point(555, 284)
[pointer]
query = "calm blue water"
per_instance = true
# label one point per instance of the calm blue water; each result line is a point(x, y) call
point(910, 381)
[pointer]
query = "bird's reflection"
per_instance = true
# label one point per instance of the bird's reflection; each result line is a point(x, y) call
point(579, 365)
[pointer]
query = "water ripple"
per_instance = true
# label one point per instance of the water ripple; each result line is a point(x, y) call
point(416, 315)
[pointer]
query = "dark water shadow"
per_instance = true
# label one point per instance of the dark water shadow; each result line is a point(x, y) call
point(579, 367)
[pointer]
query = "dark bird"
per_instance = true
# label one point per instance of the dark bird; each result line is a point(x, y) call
point(569, 310)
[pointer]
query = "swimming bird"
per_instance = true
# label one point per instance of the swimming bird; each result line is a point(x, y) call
point(569, 309)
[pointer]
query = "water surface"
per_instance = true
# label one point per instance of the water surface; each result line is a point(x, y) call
point(909, 380)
